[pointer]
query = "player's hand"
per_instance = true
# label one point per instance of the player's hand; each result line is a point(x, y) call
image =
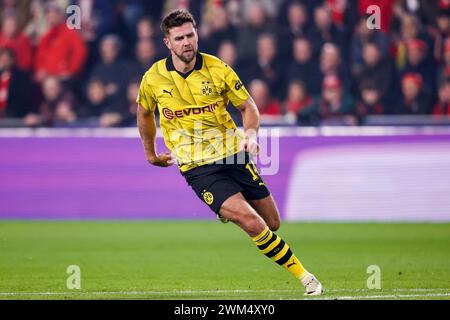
point(250, 145)
point(162, 160)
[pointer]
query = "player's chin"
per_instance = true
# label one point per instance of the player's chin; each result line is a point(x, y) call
point(188, 55)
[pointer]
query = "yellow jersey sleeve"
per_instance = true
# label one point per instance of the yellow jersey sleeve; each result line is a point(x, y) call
point(235, 89)
point(145, 96)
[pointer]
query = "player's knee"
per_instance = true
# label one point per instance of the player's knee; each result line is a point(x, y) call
point(252, 224)
point(274, 224)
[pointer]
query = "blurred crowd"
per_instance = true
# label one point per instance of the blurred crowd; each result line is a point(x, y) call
point(311, 62)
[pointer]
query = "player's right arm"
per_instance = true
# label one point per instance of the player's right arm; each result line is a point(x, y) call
point(147, 125)
point(147, 130)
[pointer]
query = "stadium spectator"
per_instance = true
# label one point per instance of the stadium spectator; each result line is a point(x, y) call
point(108, 111)
point(98, 18)
point(13, 102)
point(444, 68)
point(297, 98)
point(57, 108)
point(324, 30)
point(146, 30)
point(112, 70)
point(439, 33)
point(335, 106)
point(331, 63)
point(36, 25)
point(417, 62)
point(298, 25)
point(361, 36)
point(217, 29)
point(415, 98)
point(266, 66)
point(370, 100)
point(256, 23)
point(410, 29)
point(259, 90)
point(270, 7)
point(132, 92)
point(305, 66)
point(442, 106)
point(344, 14)
point(21, 9)
point(425, 10)
point(227, 52)
point(234, 12)
point(131, 11)
point(61, 52)
point(307, 43)
point(11, 37)
point(145, 57)
point(377, 68)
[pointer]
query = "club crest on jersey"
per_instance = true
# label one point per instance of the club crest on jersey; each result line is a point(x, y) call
point(206, 88)
point(208, 197)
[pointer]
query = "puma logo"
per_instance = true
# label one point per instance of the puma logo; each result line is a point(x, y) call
point(168, 92)
point(291, 264)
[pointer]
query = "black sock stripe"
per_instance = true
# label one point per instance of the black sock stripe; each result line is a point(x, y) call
point(276, 250)
point(264, 236)
point(265, 245)
point(285, 258)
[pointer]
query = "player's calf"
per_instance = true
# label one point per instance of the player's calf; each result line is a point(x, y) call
point(268, 210)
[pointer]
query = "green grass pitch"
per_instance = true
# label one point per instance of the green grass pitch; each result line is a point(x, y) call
point(208, 260)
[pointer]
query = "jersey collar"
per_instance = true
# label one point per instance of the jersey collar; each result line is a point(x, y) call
point(198, 65)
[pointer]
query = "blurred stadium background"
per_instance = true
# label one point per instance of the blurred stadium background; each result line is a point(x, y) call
point(362, 117)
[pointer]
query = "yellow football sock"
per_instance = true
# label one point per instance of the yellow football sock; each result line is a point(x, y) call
point(277, 250)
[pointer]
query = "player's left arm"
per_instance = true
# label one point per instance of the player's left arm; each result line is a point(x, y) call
point(242, 100)
point(250, 118)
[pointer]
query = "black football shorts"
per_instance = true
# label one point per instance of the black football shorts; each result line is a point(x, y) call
point(216, 182)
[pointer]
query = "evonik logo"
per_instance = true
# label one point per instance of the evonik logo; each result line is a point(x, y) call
point(169, 114)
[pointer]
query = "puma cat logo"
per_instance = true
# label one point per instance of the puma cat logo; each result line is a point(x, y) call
point(291, 264)
point(168, 92)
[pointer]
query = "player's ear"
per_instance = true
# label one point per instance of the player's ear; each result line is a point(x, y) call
point(167, 43)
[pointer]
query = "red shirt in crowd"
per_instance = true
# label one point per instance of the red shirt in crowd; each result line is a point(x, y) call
point(297, 106)
point(441, 109)
point(23, 51)
point(338, 8)
point(272, 108)
point(61, 52)
point(5, 78)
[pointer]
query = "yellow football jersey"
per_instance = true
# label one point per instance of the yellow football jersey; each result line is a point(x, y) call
point(194, 121)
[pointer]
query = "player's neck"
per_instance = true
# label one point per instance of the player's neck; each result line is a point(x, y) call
point(182, 66)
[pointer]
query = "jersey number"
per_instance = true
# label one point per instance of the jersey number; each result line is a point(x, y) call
point(253, 170)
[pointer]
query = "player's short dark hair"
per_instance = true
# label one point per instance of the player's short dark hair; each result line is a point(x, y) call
point(176, 18)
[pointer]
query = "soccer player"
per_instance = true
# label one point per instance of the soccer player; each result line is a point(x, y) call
point(192, 90)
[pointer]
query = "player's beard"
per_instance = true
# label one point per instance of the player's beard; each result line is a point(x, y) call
point(189, 58)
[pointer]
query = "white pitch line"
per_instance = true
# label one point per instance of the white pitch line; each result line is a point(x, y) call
point(387, 296)
point(193, 292)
